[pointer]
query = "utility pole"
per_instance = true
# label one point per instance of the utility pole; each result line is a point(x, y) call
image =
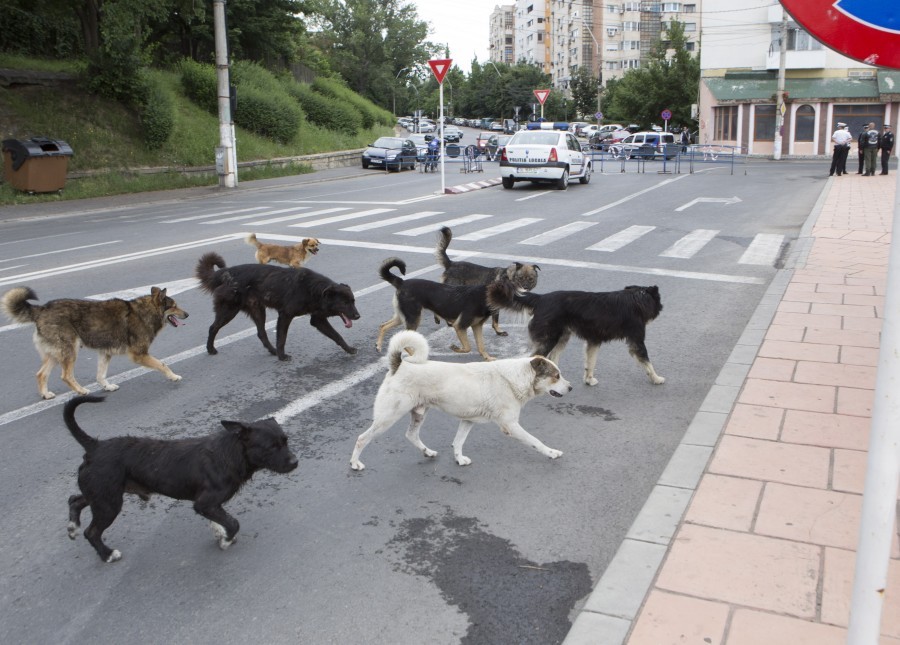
point(779, 96)
point(226, 155)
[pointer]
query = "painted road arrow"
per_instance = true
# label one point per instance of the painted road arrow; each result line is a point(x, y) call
point(717, 200)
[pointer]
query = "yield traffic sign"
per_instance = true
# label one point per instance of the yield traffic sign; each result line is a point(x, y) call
point(440, 66)
point(542, 95)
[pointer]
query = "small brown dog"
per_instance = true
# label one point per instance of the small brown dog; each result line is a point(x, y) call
point(294, 256)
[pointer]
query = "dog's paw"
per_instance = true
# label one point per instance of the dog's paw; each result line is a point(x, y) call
point(591, 381)
point(212, 351)
point(553, 453)
point(115, 556)
point(659, 380)
point(284, 357)
point(357, 465)
point(48, 395)
point(82, 390)
point(110, 387)
point(351, 350)
point(462, 460)
point(428, 452)
point(174, 377)
point(459, 350)
point(501, 332)
point(224, 543)
point(73, 530)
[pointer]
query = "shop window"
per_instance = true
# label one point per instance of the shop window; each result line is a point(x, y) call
point(804, 123)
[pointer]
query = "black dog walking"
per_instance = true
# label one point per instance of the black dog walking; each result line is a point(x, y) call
point(206, 470)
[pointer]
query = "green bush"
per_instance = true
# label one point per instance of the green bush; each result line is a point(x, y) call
point(263, 105)
point(157, 114)
point(324, 111)
point(371, 113)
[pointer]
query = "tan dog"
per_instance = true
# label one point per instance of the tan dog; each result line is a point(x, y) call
point(294, 256)
point(110, 327)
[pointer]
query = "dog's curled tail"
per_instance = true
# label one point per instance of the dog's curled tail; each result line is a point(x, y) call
point(16, 306)
point(251, 240)
point(503, 294)
point(413, 343)
point(206, 270)
point(440, 252)
point(387, 276)
point(87, 442)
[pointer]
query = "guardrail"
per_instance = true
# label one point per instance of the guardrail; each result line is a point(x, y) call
point(617, 157)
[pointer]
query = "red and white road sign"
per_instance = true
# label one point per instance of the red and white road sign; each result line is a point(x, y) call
point(866, 30)
point(440, 67)
point(542, 95)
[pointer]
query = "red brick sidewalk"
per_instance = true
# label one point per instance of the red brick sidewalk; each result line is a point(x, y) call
point(766, 550)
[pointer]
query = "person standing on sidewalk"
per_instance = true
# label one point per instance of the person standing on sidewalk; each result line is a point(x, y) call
point(861, 147)
point(887, 146)
point(841, 139)
point(873, 141)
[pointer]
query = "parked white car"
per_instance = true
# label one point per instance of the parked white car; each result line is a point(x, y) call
point(544, 156)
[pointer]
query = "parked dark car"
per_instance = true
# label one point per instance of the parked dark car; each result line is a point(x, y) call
point(393, 153)
point(452, 134)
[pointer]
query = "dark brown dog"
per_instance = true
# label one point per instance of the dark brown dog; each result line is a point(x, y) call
point(521, 274)
point(252, 288)
point(206, 470)
point(294, 256)
point(109, 326)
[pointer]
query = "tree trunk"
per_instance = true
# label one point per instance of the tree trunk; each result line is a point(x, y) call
point(89, 15)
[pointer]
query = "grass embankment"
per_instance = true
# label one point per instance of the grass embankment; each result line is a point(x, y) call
point(105, 136)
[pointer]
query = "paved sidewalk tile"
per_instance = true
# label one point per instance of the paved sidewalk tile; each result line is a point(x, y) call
point(772, 461)
point(673, 619)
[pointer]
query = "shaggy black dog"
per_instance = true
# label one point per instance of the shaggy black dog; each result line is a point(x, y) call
point(291, 292)
point(206, 470)
point(461, 306)
point(595, 317)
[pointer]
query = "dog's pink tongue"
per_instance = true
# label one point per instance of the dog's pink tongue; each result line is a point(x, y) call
point(347, 322)
point(174, 320)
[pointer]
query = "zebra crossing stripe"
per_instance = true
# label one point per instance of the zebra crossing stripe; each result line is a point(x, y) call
point(288, 218)
point(191, 218)
point(763, 250)
point(690, 244)
point(238, 218)
point(391, 221)
point(343, 218)
point(620, 239)
point(500, 228)
point(558, 233)
point(431, 228)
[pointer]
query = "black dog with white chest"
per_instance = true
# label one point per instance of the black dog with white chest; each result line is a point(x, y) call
point(206, 470)
point(596, 317)
point(291, 292)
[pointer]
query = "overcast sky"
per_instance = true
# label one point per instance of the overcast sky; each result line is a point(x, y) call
point(461, 24)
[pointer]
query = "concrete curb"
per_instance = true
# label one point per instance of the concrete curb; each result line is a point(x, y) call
point(475, 185)
point(611, 608)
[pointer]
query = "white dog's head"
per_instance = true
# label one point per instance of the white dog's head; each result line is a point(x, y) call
point(547, 378)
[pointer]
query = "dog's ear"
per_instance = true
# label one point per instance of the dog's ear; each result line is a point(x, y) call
point(543, 367)
point(518, 265)
point(536, 267)
point(236, 427)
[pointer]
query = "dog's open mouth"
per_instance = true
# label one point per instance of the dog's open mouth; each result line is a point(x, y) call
point(314, 249)
point(556, 394)
point(347, 322)
point(173, 320)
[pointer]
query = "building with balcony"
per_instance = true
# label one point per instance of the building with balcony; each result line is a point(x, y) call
point(531, 32)
point(739, 80)
point(502, 34)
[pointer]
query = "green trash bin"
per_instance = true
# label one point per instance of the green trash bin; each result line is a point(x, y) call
point(38, 165)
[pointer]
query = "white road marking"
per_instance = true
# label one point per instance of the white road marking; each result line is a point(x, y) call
point(431, 228)
point(665, 182)
point(393, 220)
point(709, 200)
point(763, 250)
point(500, 228)
point(288, 218)
point(558, 233)
point(620, 239)
point(172, 288)
point(58, 251)
point(343, 218)
point(209, 215)
point(690, 244)
point(540, 194)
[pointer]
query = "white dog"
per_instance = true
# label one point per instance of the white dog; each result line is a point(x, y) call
point(472, 392)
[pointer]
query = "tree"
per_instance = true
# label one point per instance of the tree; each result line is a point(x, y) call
point(584, 89)
point(664, 82)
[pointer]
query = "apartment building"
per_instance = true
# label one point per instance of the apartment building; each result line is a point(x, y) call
point(502, 34)
point(531, 33)
point(739, 80)
point(610, 38)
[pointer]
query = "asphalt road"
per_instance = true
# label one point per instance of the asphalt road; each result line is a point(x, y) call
point(411, 550)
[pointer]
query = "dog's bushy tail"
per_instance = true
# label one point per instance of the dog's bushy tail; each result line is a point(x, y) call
point(87, 442)
point(503, 294)
point(441, 251)
point(15, 304)
point(413, 343)
point(387, 276)
point(206, 271)
point(251, 240)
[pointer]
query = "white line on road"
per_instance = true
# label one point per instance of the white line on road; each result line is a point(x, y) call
point(58, 251)
point(665, 182)
point(288, 218)
point(342, 218)
point(763, 250)
point(391, 221)
point(500, 228)
point(558, 233)
point(431, 228)
point(620, 239)
point(191, 218)
point(690, 244)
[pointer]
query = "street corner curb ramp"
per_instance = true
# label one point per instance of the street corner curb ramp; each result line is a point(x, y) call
point(475, 185)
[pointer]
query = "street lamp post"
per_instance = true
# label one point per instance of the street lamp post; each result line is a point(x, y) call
point(499, 75)
point(417, 115)
point(587, 28)
point(393, 92)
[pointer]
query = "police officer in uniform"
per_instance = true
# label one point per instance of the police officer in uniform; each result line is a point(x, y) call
point(887, 146)
point(841, 139)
